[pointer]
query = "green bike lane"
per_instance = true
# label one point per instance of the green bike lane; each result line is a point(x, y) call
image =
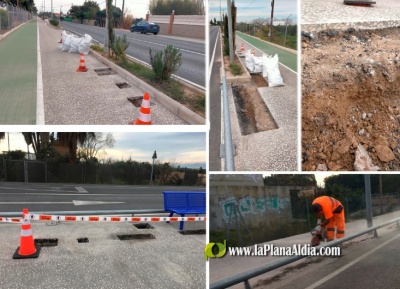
point(18, 75)
point(287, 58)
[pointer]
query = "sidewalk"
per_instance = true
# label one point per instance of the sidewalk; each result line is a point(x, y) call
point(18, 59)
point(79, 98)
point(227, 266)
point(334, 14)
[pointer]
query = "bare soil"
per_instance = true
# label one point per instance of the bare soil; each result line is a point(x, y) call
point(350, 96)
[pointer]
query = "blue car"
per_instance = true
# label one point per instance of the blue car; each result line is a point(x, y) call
point(144, 27)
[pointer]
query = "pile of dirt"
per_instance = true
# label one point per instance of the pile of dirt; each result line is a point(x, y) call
point(350, 97)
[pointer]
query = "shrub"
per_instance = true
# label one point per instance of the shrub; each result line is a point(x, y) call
point(119, 46)
point(54, 22)
point(166, 62)
point(5, 17)
point(97, 47)
point(235, 69)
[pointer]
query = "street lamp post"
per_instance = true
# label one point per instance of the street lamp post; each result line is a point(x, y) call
point(152, 167)
point(287, 19)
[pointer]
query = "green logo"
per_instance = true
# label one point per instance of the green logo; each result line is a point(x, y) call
point(208, 250)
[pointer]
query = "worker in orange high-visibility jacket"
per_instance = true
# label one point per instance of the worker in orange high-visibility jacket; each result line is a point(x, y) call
point(333, 212)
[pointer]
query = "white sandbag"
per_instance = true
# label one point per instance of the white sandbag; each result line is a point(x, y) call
point(249, 61)
point(274, 75)
point(258, 64)
point(75, 42)
point(63, 38)
point(264, 67)
point(85, 44)
point(66, 45)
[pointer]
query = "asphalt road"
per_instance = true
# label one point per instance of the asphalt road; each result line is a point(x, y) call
point(215, 99)
point(372, 264)
point(70, 197)
point(193, 52)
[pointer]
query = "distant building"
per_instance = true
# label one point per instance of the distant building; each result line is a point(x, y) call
point(279, 22)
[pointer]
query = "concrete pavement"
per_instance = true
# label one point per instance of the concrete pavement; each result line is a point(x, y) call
point(227, 266)
point(334, 14)
point(170, 260)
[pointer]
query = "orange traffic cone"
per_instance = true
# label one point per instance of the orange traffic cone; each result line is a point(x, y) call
point(60, 39)
point(242, 49)
point(27, 247)
point(144, 116)
point(82, 67)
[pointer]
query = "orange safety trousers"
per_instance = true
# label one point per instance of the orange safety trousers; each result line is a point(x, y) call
point(337, 221)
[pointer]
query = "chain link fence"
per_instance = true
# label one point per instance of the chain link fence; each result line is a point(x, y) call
point(95, 173)
point(12, 16)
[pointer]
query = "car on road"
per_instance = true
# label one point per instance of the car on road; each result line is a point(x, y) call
point(145, 26)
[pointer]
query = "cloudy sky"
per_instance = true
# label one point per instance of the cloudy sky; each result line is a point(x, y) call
point(138, 8)
point(187, 149)
point(247, 10)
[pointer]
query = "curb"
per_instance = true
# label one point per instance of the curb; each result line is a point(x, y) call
point(175, 107)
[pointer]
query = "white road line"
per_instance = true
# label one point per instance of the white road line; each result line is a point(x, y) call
point(39, 84)
point(75, 202)
point(212, 58)
point(35, 203)
point(86, 203)
point(330, 276)
point(81, 190)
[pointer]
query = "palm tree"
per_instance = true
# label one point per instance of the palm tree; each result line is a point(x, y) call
point(71, 139)
point(40, 142)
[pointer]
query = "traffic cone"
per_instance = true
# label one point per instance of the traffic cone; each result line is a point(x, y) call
point(144, 116)
point(27, 247)
point(242, 49)
point(82, 67)
point(60, 39)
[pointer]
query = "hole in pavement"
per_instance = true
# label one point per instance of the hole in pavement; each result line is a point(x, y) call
point(123, 85)
point(253, 114)
point(193, 232)
point(46, 242)
point(83, 240)
point(104, 71)
point(136, 237)
point(137, 101)
point(143, 226)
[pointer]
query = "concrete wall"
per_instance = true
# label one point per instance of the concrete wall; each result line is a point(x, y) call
point(191, 26)
point(257, 204)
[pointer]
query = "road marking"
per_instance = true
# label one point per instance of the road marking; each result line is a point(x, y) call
point(39, 84)
point(75, 202)
point(330, 276)
point(212, 59)
point(81, 190)
point(85, 203)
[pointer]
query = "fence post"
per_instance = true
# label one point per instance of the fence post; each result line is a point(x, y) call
point(171, 22)
point(308, 214)
point(45, 172)
point(26, 171)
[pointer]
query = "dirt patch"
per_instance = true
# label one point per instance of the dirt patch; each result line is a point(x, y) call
point(236, 61)
point(253, 114)
point(259, 81)
point(350, 96)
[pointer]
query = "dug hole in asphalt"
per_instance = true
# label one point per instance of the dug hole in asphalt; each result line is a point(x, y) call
point(171, 260)
point(73, 98)
point(289, 275)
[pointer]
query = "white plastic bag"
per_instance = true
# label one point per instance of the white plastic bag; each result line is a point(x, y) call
point(274, 75)
point(75, 42)
point(66, 45)
point(85, 44)
point(63, 38)
point(249, 61)
point(258, 64)
point(264, 67)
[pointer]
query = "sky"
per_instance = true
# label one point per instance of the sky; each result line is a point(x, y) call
point(187, 149)
point(138, 8)
point(247, 10)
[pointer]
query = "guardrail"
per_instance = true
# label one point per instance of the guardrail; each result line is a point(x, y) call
point(245, 276)
point(229, 156)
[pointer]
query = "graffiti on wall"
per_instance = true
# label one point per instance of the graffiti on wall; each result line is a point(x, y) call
point(250, 205)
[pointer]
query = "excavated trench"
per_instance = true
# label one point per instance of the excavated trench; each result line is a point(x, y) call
point(351, 100)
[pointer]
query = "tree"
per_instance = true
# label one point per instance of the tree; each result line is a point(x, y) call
point(93, 144)
point(181, 7)
point(290, 180)
point(40, 142)
point(71, 139)
point(15, 155)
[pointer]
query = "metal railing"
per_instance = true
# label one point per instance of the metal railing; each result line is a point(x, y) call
point(245, 276)
point(229, 156)
point(11, 16)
